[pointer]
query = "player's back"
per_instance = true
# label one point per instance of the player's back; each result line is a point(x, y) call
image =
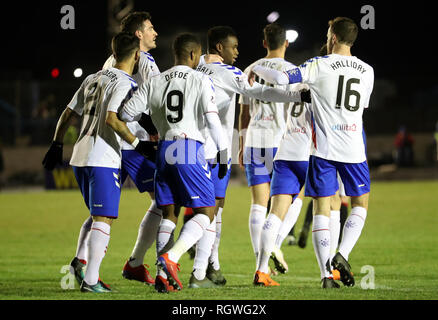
point(98, 145)
point(267, 119)
point(177, 102)
point(341, 87)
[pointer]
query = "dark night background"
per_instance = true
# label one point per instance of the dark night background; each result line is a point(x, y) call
point(400, 49)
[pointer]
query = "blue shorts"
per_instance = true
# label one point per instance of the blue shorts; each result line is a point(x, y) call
point(183, 176)
point(289, 177)
point(100, 188)
point(220, 185)
point(140, 169)
point(258, 165)
point(322, 178)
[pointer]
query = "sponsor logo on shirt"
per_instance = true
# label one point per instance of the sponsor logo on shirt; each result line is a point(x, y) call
point(264, 118)
point(302, 130)
point(344, 127)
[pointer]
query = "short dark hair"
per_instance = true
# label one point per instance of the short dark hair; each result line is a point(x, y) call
point(219, 34)
point(134, 21)
point(345, 29)
point(184, 44)
point(123, 45)
point(274, 35)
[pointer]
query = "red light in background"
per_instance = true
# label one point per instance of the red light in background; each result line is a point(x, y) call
point(55, 73)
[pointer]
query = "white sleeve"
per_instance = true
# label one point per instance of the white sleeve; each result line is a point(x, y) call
point(270, 94)
point(121, 92)
point(132, 108)
point(78, 101)
point(215, 130)
point(208, 96)
point(237, 82)
point(271, 75)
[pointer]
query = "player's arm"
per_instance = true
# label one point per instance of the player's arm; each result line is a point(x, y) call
point(134, 105)
point(269, 75)
point(244, 119)
point(306, 73)
point(212, 120)
point(113, 120)
point(74, 109)
point(54, 154)
point(267, 93)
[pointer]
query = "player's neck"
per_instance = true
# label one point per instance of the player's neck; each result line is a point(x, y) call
point(279, 53)
point(179, 62)
point(124, 66)
point(342, 50)
point(143, 48)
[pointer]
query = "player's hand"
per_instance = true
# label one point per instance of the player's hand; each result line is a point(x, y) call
point(53, 156)
point(222, 160)
point(251, 78)
point(241, 166)
point(210, 58)
point(147, 149)
point(305, 96)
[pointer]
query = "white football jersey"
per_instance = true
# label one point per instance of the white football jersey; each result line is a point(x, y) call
point(98, 144)
point(146, 68)
point(341, 87)
point(296, 142)
point(229, 81)
point(177, 101)
point(267, 119)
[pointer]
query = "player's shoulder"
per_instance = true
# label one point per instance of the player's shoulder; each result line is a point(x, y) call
point(147, 56)
point(117, 77)
point(367, 66)
point(316, 60)
point(225, 69)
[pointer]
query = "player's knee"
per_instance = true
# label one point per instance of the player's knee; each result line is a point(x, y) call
point(361, 201)
point(108, 221)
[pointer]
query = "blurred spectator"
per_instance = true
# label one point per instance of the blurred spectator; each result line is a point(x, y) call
point(404, 143)
point(46, 108)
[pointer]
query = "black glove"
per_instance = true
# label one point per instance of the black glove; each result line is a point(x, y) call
point(222, 159)
point(53, 156)
point(147, 124)
point(147, 149)
point(305, 96)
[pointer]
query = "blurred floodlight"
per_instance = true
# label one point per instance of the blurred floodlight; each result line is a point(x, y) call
point(78, 73)
point(291, 36)
point(273, 16)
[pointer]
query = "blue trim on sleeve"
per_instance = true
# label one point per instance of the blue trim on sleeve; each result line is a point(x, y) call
point(294, 76)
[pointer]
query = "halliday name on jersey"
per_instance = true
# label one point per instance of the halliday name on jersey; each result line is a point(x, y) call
point(341, 87)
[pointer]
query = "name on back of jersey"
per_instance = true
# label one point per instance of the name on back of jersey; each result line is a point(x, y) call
point(110, 75)
point(175, 75)
point(348, 64)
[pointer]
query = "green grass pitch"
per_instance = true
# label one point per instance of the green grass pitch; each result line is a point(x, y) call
point(39, 232)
